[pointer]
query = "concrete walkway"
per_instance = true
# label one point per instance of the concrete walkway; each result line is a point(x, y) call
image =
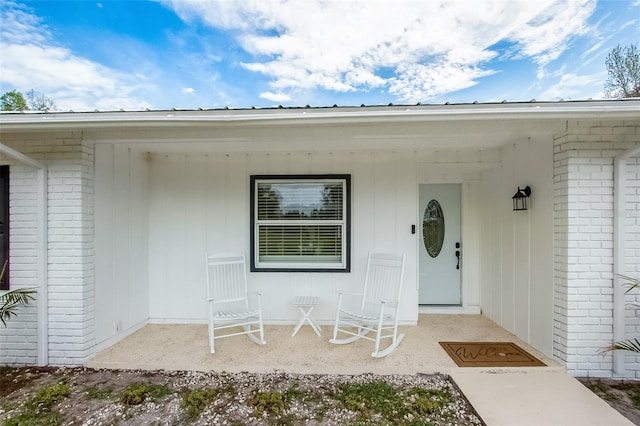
point(531, 398)
point(502, 396)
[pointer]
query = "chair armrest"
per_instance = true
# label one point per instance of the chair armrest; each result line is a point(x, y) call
point(350, 293)
point(353, 296)
point(258, 295)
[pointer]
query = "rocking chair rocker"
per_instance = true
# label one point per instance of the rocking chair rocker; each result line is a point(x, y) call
point(229, 301)
point(378, 306)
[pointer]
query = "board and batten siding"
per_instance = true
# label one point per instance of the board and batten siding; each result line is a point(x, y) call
point(199, 202)
point(121, 212)
point(517, 246)
point(186, 204)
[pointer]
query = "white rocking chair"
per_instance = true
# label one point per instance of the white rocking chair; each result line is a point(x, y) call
point(377, 310)
point(229, 300)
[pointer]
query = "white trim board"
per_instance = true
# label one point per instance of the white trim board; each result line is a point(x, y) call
point(451, 310)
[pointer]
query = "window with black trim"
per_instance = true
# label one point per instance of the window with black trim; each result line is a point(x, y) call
point(300, 223)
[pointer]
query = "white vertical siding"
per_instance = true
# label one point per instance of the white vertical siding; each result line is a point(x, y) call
point(200, 202)
point(541, 248)
point(517, 247)
point(105, 288)
point(632, 253)
point(121, 240)
point(472, 248)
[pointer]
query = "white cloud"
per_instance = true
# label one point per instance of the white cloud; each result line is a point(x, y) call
point(188, 90)
point(417, 49)
point(428, 81)
point(275, 97)
point(572, 86)
point(31, 60)
point(19, 26)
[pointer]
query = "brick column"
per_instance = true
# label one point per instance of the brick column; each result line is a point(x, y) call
point(71, 266)
point(583, 242)
point(70, 255)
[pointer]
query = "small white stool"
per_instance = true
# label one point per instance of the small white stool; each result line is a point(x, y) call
point(306, 305)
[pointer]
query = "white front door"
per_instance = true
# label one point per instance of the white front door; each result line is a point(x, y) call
point(440, 245)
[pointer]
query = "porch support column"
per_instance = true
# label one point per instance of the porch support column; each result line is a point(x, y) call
point(41, 220)
point(619, 200)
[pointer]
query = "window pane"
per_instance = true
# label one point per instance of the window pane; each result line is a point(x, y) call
point(300, 201)
point(300, 223)
point(300, 243)
point(433, 228)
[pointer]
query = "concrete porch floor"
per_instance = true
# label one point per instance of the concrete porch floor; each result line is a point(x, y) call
point(502, 396)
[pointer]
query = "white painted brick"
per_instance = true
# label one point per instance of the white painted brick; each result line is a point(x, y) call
point(583, 171)
point(70, 191)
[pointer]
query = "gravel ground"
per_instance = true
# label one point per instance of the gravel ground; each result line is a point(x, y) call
point(81, 396)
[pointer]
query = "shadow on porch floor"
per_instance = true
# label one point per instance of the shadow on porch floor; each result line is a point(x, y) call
point(185, 347)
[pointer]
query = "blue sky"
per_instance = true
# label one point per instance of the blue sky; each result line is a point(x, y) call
point(137, 54)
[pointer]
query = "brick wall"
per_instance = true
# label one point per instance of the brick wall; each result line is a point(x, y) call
point(70, 249)
point(583, 242)
point(18, 341)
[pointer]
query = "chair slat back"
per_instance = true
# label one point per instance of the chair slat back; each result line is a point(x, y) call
point(383, 280)
point(226, 277)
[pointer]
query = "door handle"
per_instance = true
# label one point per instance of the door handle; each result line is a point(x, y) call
point(458, 255)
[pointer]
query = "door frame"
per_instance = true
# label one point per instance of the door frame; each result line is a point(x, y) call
point(469, 231)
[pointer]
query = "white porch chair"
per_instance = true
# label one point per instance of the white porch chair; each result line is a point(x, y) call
point(377, 307)
point(229, 300)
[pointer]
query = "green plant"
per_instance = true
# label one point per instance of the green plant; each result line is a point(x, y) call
point(427, 401)
point(195, 402)
point(271, 402)
point(32, 418)
point(632, 345)
point(94, 392)
point(275, 403)
point(381, 403)
point(623, 67)
point(37, 412)
point(137, 393)
point(372, 398)
point(11, 300)
point(51, 395)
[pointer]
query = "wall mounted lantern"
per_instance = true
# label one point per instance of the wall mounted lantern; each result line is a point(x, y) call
point(520, 198)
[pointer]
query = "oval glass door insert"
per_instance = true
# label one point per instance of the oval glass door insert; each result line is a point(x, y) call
point(433, 228)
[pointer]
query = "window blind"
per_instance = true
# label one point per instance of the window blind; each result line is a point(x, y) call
point(300, 223)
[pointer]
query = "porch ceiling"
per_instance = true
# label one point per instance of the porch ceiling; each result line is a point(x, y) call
point(380, 135)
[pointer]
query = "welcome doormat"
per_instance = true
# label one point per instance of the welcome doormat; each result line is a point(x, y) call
point(490, 354)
